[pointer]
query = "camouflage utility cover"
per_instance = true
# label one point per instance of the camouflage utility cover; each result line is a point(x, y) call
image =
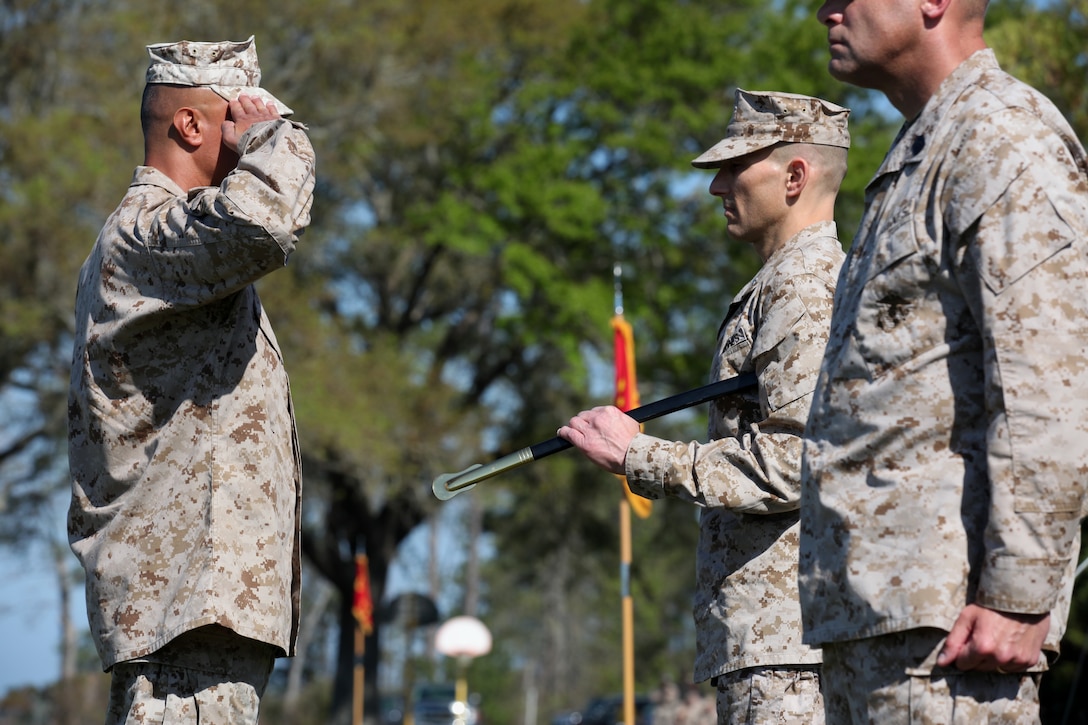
point(185, 468)
point(230, 68)
point(762, 119)
point(946, 453)
point(747, 477)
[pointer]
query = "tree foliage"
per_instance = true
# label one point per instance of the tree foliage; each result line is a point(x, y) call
point(482, 166)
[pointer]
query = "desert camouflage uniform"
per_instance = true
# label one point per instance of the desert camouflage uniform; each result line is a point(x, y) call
point(893, 679)
point(207, 675)
point(946, 452)
point(747, 478)
point(185, 463)
point(770, 696)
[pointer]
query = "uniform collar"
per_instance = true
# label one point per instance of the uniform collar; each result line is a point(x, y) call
point(910, 144)
point(150, 176)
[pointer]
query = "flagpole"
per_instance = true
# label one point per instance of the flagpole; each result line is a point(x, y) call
point(360, 676)
point(628, 614)
point(629, 396)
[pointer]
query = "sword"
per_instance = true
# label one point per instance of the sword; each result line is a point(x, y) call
point(448, 485)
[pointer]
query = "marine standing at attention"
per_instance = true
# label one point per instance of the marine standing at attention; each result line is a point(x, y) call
point(779, 169)
point(945, 456)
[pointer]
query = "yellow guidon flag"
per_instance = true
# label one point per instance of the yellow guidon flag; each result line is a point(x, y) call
point(627, 395)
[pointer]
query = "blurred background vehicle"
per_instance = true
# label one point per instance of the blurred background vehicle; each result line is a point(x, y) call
point(607, 711)
point(436, 704)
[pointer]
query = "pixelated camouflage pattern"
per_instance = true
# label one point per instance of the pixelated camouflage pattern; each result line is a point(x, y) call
point(770, 696)
point(186, 485)
point(894, 679)
point(946, 453)
point(228, 67)
point(747, 477)
point(765, 118)
point(205, 676)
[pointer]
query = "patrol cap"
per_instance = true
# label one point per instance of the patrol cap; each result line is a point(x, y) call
point(227, 67)
point(765, 118)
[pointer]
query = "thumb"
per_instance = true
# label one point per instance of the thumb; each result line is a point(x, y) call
point(230, 135)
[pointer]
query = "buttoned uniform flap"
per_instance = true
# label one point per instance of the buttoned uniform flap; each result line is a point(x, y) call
point(1011, 243)
point(776, 327)
point(1006, 190)
point(779, 351)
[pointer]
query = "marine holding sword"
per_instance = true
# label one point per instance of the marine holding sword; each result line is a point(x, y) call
point(779, 166)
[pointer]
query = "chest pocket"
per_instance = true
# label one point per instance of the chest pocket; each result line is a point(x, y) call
point(734, 356)
point(894, 321)
point(734, 349)
point(787, 352)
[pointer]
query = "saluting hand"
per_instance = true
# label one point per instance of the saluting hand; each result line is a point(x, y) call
point(244, 112)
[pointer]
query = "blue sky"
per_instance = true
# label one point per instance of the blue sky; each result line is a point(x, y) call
point(29, 620)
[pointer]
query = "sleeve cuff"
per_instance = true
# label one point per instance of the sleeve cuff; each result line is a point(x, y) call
point(1021, 586)
point(644, 466)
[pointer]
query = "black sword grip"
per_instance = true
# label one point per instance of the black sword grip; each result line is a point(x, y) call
point(658, 408)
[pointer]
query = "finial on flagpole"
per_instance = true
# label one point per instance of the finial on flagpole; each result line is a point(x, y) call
point(617, 277)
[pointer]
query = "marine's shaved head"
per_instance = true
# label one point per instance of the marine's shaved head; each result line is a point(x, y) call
point(828, 163)
point(160, 101)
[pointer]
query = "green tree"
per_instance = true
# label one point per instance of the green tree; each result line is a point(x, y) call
point(54, 145)
point(646, 86)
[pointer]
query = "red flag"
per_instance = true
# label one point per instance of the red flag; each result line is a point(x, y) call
point(627, 394)
point(362, 605)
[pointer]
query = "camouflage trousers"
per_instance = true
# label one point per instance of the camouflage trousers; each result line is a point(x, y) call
point(209, 676)
point(770, 696)
point(893, 679)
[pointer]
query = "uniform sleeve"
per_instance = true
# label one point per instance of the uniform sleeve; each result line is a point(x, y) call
point(221, 239)
point(758, 470)
point(1026, 274)
point(273, 183)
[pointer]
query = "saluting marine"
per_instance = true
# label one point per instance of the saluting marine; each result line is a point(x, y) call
point(186, 483)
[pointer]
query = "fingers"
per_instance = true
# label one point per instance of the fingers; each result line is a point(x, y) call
point(602, 434)
point(252, 109)
point(569, 434)
point(580, 425)
point(991, 641)
point(244, 112)
point(956, 642)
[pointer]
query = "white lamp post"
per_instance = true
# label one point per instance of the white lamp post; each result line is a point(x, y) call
point(464, 638)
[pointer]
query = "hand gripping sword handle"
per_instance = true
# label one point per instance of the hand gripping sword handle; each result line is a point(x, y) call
point(449, 485)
